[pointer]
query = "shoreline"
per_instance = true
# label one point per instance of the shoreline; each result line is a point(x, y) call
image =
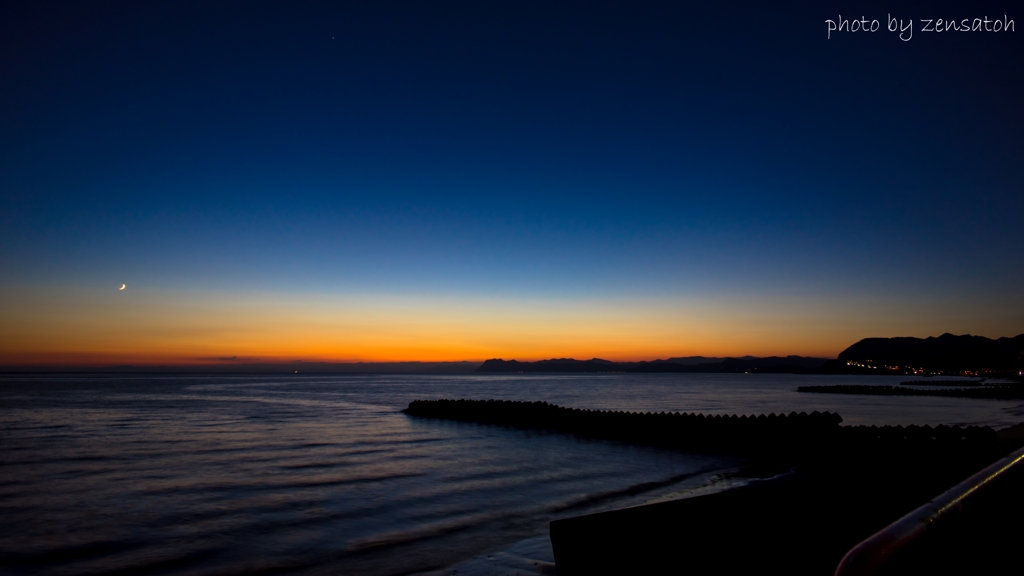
point(842, 484)
point(534, 555)
point(806, 521)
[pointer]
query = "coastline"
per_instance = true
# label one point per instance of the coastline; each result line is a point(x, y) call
point(534, 556)
point(328, 446)
point(838, 490)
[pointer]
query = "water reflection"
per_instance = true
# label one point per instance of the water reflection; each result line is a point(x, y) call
point(322, 474)
point(199, 475)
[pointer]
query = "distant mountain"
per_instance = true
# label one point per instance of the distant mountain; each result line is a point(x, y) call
point(774, 364)
point(770, 365)
point(947, 353)
point(553, 365)
point(694, 360)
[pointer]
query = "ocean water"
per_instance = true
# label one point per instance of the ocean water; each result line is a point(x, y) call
point(118, 474)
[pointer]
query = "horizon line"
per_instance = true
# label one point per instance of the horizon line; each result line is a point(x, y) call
point(320, 364)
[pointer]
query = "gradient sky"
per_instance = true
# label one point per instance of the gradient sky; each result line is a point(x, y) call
point(460, 181)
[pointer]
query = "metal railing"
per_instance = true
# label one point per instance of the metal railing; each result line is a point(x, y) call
point(948, 526)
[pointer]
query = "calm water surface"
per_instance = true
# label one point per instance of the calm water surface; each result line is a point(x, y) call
point(322, 474)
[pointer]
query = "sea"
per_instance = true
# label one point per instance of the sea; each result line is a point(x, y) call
point(322, 474)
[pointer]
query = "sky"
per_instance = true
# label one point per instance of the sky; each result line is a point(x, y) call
point(394, 181)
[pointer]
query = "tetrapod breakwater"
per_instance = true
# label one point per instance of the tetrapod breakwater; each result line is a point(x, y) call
point(793, 432)
point(671, 429)
point(772, 433)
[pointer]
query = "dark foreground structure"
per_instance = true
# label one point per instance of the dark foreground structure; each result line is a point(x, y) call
point(807, 522)
point(972, 528)
point(837, 487)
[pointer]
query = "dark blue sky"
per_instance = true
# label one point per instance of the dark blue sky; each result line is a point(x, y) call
point(512, 149)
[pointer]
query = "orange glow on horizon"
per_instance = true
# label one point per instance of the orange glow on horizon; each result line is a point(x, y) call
point(148, 327)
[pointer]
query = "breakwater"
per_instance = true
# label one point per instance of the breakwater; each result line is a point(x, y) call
point(793, 432)
point(671, 429)
point(991, 392)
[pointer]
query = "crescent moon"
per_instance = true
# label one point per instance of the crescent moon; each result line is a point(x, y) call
point(122, 287)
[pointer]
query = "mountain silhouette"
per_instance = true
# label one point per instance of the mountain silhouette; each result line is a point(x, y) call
point(774, 364)
point(942, 354)
point(946, 353)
